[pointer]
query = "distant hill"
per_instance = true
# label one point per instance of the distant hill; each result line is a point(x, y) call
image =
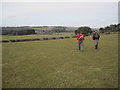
point(41, 29)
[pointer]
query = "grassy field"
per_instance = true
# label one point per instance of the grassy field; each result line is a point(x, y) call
point(58, 64)
point(10, 37)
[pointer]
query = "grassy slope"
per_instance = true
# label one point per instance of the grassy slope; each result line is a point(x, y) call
point(58, 63)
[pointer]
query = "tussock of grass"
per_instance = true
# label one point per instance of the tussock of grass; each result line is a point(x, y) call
point(58, 64)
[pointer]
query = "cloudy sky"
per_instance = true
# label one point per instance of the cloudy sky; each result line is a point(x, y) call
point(93, 14)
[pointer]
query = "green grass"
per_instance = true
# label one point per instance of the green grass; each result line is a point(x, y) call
point(10, 37)
point(58, 64)
point(0, 63)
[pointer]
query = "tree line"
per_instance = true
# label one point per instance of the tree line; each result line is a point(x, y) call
point(110, 28)
point(58, 29)
point(17, 31)
point(87, 30)
point(84, 29)
point(29, 30)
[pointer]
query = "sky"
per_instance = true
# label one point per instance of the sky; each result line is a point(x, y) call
point(93, 14)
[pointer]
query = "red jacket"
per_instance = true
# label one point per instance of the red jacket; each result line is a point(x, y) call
point(79, 37)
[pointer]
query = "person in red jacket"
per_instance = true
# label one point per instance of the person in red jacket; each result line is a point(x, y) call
point(80, 39)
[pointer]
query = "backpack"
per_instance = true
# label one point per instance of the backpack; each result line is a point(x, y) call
point(80, 38)
point(96, 36)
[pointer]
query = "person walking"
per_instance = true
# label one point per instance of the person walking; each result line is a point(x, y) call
point(80, 39)
point(96, 37)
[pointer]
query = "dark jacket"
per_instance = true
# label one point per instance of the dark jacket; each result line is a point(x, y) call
point(94, 36)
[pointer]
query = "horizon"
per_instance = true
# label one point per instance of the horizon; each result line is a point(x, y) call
point(56, 26)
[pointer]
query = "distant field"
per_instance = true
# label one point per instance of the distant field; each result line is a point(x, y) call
point(58, 64)
point(8, 37)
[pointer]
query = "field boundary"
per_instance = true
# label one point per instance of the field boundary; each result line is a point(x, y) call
point(36, 39)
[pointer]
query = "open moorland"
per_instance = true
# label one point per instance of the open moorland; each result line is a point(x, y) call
point(59, 63)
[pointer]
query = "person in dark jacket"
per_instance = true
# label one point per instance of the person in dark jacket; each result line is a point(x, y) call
point(96, 37)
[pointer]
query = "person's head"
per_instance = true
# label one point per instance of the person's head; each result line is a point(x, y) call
point(96, 32)
point(81, 33)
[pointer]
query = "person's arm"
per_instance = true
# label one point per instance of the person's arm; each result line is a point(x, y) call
point(77, 37)
point(93, 37)
point(98, 36)
point(83, 37)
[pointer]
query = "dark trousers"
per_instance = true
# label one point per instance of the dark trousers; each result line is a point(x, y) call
point(96, 44)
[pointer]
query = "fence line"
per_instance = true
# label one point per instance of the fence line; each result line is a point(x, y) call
point(37, 39)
